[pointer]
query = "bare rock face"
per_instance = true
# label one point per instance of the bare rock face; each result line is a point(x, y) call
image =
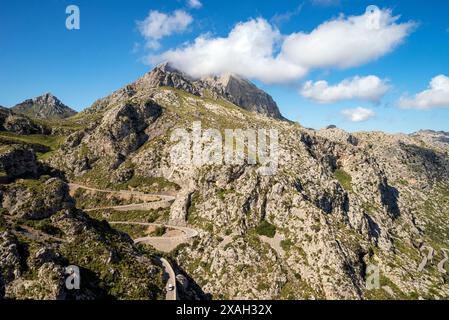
point(243, 93)
point(438, 138)
point(49, 285)
point(123, 128)
point(46, 106)
point(166, 76)
point(9, 257)
point(120, 131)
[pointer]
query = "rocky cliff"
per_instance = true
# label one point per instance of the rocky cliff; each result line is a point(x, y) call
point(241, 92)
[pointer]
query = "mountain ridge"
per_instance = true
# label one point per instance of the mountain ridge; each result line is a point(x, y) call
point(235, 89)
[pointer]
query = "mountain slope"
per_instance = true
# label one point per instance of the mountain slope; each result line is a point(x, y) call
point(46, 107)
point(337, 204)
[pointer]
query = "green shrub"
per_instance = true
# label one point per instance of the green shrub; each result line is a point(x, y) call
point(286, 244)
point(344, 178)
point(160, 231)
point(3, 225)
point(222, 193)
point(44, 226)
point(263, 286)
point(266, 229)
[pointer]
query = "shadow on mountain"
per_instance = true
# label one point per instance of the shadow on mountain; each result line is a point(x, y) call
point(389, 197)
point(188, 289)
point(432, 164)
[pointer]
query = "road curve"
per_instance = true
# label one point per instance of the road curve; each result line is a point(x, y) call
point(75, 186)
point(164, 244)
point(164, 201)
point(170, 295)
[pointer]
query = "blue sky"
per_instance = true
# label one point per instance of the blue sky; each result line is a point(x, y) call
point(38, 54)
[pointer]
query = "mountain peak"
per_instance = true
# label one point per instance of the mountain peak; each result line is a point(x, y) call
point(228, 86)
point(47, 98)
point(46, 106)
point(165, 75)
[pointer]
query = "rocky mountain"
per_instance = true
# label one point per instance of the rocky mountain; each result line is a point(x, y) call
point(232, 88)
point(337, 206)
point(46, 106)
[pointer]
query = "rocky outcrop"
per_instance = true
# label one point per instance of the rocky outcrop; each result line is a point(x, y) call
point(36, 202)
point(11, 266)
point(108, 142)
point(16, 123)
point(46, 106)
point(19, 162)
point(167, 76)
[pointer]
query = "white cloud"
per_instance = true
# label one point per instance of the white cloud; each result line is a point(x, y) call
point(256, 49)
point(358, 114)
point(158, 25)
point(436, 96)
point(369, 88)
point(196, 4)
point(346, 42)
point(248, 50)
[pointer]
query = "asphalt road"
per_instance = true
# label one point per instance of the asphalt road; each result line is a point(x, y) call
point(166, 244)
point(173, 294)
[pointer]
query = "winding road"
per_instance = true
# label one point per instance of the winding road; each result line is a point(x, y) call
point(171, 294)
point(151, 201)
point(164, 243)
